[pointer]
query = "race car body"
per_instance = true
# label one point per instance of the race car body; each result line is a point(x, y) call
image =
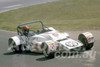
point(48, 41)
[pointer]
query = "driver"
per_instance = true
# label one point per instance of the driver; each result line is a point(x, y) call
point(25, 30)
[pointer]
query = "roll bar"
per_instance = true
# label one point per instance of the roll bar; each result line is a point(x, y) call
point(19, 26)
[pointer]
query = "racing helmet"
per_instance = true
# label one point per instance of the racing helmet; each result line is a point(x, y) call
point(25, 30)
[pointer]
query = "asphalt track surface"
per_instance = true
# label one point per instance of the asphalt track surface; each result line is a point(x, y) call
point(6, 5)
point(25, 59)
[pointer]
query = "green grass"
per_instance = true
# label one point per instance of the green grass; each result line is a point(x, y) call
point(62, 15)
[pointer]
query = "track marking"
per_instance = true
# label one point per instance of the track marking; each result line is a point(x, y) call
point(12, 6)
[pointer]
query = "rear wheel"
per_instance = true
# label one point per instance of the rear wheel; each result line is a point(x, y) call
point(87, 39)
point(15, 48)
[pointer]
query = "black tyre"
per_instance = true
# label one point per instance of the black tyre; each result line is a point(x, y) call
point(87, 39)
point(17, 49)
point(64, 53)
point(48, 53)
point(13, 46)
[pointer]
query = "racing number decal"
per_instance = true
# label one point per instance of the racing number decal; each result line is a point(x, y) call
point(71, 44)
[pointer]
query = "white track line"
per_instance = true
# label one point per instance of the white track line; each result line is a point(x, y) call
point(12, 6)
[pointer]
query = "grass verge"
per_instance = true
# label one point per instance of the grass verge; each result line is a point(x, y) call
point(62, 15)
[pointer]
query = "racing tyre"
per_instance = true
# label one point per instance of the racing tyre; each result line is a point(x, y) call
point(87, 39)
point(17, 49)
point(50, 55)
point(13, 46)
point(47, 51)
point(64, 53)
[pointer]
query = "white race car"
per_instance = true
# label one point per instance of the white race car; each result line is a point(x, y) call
point(47, 41)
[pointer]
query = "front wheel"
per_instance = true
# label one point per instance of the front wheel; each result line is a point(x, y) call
point(48, 55)
point(87, 39)
point(49, 49)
